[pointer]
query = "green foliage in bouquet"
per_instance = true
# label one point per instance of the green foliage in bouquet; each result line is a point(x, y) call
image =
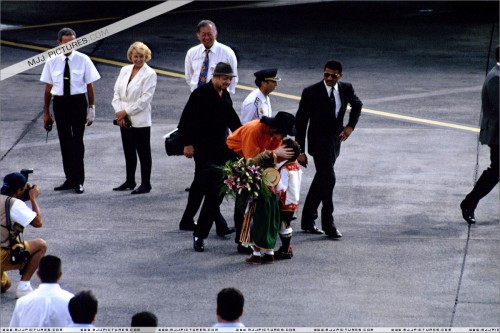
point(244, 180)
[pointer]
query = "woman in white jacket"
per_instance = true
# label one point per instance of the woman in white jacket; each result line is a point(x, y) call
point(134, 90)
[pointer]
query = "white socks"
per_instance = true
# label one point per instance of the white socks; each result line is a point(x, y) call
point(23, 285)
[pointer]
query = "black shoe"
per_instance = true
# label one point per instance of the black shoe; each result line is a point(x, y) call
point(226, 232)
point(283, 253)
point(312, 229)
point(332, 232)
point(244, 249)
point(142, 189)
point(279, 255)
point(79, 189)
point(468, 214)
point(198, 244)
point(125, 186)
point(65, 186)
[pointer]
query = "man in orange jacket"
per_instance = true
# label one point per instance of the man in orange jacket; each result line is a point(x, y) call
point(254, 138)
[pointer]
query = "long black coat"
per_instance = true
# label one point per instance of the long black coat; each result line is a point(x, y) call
point(204, 124)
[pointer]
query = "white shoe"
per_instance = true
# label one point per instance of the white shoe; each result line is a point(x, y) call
point(23, 292)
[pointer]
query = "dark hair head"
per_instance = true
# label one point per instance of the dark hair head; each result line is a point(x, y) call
point(290, 143)
point(83, 307)
point(12, 183)
point(49, 269)
point(496, 52)
point(230, 302)
point(65, 32)
point(144, 319)
point(204, 23)
point(258, 81)
point(334, 65)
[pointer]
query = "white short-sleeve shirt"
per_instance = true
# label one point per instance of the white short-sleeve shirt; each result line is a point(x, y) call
point(21, 214)
point(255, 106)
point(218, 53)
point(82, 72)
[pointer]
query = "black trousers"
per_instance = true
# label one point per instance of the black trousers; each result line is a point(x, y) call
point(194, 202)
point(321, 189)
point(207, 184)
point(485, 183)
point(70, 113)
point(137, 142)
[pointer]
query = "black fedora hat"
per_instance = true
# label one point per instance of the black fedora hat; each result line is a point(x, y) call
point(283, 122)
point(224, 69)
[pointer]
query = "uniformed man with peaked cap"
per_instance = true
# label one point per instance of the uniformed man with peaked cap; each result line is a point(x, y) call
point(257, 104)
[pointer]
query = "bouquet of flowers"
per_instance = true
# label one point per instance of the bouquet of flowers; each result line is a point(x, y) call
point(243, 178)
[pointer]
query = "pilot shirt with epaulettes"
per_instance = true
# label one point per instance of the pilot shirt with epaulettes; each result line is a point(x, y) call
point(255, 106)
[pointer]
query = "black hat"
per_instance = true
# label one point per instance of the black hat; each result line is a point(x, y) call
point(224, 69)
point(270, 74)
point(14, 181)
point(284, 122)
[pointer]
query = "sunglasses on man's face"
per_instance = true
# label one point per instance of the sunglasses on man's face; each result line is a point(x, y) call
point(327, 75)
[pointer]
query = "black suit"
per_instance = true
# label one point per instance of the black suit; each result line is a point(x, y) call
point(203, 124)
point(317, 111)
point(487, 136)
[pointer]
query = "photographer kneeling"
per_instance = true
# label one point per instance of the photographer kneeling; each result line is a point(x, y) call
point(12, 254)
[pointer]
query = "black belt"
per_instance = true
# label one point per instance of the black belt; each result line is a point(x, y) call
point(62, 96)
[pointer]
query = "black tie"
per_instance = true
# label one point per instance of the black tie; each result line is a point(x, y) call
point(332, 99)
point(67, 77)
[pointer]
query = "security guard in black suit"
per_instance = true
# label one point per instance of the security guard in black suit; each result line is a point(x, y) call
point(322, 107)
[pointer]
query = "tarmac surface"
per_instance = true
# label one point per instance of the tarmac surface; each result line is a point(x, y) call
point(407, 258)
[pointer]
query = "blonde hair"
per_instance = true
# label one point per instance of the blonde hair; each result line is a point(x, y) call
point(141, 48)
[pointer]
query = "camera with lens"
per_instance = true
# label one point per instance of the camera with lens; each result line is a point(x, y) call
point(18, 254)
point(26, 194)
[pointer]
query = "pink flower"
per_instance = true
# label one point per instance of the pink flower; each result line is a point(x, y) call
point(229, 182)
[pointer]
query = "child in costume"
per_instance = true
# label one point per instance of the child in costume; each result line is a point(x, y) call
point(262, 217)
point(288, 192)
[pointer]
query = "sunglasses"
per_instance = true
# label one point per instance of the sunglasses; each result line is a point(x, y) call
point(334, 76)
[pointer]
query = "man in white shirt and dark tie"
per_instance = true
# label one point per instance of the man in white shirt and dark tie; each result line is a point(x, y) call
point(215, 52)
point(69, 79)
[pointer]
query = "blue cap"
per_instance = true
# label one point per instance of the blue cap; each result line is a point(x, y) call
point(14, 181)
point(270, 74)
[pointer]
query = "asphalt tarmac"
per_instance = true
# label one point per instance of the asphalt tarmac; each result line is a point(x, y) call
point(407, 258)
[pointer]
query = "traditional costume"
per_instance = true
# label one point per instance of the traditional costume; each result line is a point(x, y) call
point(288, 192)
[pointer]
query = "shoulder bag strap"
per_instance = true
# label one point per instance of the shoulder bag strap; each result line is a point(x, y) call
point(12, 238)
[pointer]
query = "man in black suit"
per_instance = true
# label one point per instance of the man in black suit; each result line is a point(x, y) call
point(203, 124)
point(487, 136)
point(322, 107)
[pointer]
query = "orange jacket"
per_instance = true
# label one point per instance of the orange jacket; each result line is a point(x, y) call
point(251, 139)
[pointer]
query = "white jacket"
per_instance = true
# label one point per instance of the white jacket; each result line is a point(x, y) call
point(135, 97)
